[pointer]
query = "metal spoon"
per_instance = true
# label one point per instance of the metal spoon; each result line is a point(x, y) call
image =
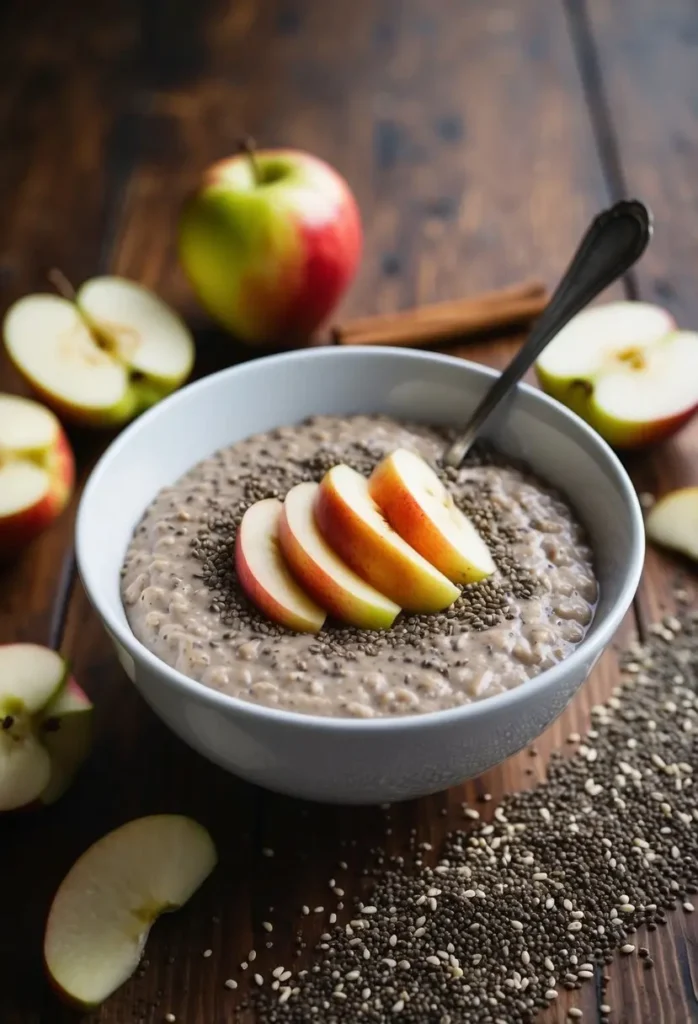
point(614, 240)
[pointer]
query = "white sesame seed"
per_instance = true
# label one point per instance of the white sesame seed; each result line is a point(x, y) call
point(399, 1006)
point(575, 1013)
point(252, 955)
point(517, 926)
point(366, 993)
point(277, 972)
point(688, 907)
point(285, 976)
point(432, 903)
point(305, 910)
point(259, 979)
point(548, 964)
point(392, 941)
point(285, 994)
point(370, 910)
point(267, 851)
point(267, 926)
point(434, 961)
point(605, 1008)
point(170, 1017)
point(231, 983)
point(551, 993)
point(333, 918)
point(353, 975)
point(585, 974)
point(318, 910)
point(208, 953)
point(627, 948)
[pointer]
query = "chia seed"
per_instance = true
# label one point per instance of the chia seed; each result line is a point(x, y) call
point(478, 961)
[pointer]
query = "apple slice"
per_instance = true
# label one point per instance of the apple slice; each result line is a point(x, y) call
point(322, 573)
point(264, 575)
point(30, 678)
point(419, 507)
point(673, 522)
point(354, 526)
point(37, 471)
point(65, 729)
point(626, 370)
point(104, 908)
point(104, 357)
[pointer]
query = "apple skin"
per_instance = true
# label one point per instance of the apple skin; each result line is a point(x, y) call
point(415, 584)
point(18, 530)
point(323, 587)
point(578, 395)
point(270, 261)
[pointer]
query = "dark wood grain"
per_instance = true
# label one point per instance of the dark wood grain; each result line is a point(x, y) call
point(466, 135)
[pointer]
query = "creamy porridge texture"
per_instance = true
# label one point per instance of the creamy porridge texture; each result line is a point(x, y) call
point(184, 602)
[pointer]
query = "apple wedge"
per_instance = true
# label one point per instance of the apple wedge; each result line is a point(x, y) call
point(104, 908)
point(419, 508)
point(321, 572)
point(626, 370)
point(354, 526)
point(104, 357)
point(673, 522)
point(37, 471)
point(30, 678)
point(264, 575)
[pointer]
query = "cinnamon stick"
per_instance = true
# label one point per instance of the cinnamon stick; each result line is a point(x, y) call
point(504, 307)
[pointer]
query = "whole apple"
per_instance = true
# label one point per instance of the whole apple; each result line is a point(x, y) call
point(270, 242)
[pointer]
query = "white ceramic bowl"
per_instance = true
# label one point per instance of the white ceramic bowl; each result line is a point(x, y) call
point(349, 760)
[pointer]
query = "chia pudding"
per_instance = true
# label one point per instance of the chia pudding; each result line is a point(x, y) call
point(184, 602)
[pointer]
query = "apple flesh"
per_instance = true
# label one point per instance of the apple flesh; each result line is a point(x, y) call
point(269, 243)
point(65, 730)
point(673, 522)
point(37, 471)
point(626, 370)
point(104, 908)
point(418, 507)
point(104, 357)
point(45, 723)
point(264, 575)
point(322, 573)
point(354, 526)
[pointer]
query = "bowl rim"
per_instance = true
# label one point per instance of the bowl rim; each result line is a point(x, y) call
point(588, 650)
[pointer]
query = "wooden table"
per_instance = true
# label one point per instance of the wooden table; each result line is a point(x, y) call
point(480, 137)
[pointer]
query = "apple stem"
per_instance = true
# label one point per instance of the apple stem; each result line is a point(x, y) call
point(61, 283)
point(248, 146)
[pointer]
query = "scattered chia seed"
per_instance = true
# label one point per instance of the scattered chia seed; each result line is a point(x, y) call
point(479, 961)
point(480, 606)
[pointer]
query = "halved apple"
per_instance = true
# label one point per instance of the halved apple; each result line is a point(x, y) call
point(104, 908)
point(673, 521)
point(419, 508)
point(265, 576)
point(354, 526)
point(321, 572)
point(37, 471)
point(103, 358)
point(626, 370)
point(31, 678)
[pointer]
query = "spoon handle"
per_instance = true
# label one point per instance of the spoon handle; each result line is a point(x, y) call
point(615, 239)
